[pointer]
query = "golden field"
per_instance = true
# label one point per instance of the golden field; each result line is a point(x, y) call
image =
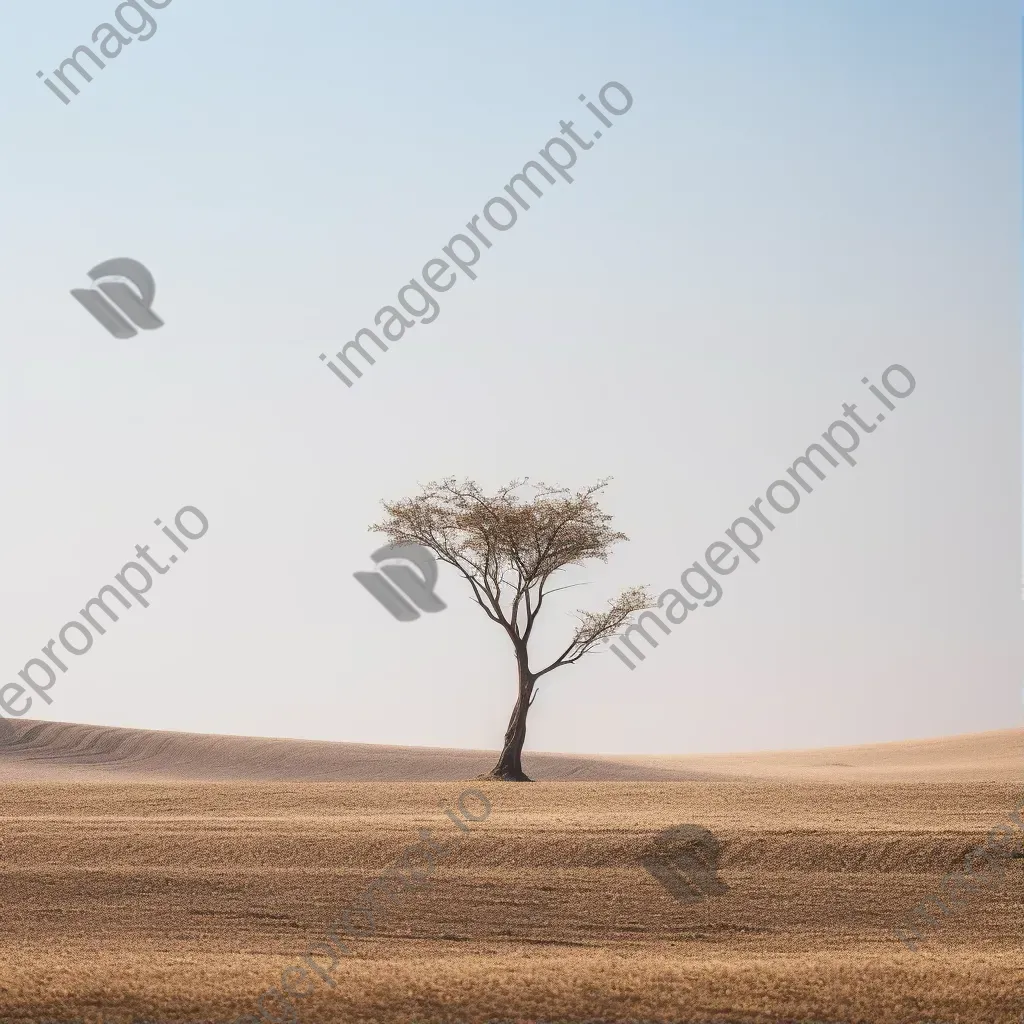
point(170, 878)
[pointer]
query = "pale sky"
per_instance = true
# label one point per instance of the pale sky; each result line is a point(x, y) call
point(801, 195)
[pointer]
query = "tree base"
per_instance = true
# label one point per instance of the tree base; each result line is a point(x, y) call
point(504, 775)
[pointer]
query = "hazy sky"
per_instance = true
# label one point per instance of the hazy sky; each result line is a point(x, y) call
point(801, 195)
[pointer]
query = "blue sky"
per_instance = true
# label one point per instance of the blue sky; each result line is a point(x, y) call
point(801, 195)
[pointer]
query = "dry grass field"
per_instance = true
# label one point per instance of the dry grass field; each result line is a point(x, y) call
point(170, 878)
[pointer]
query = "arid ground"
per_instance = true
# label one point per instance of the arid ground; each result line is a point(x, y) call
point(168, 877)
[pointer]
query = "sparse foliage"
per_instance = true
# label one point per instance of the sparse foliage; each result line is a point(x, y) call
point(509, 550)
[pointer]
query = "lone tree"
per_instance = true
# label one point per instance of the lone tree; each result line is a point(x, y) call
point(508, 550)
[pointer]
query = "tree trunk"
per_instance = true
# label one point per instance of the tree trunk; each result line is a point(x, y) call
point(510, 764)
